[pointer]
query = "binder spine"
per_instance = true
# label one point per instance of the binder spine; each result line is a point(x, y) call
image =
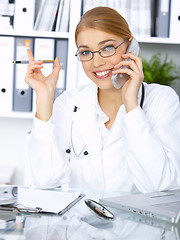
point(163, 18)
point(7, 73)
point(22, 93)
point(24, 15)
point(61, 52)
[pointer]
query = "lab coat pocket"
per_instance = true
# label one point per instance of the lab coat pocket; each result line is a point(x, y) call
point(78, 146)
point(81, 171)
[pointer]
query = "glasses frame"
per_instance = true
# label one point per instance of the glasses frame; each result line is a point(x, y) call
point(99, 51)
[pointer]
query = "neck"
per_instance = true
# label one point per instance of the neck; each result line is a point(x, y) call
point(110, 98)
point(110, 102)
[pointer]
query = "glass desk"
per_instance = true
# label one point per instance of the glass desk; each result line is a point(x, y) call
point(80, 223)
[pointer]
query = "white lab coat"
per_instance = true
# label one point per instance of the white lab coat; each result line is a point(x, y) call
point(142, 152)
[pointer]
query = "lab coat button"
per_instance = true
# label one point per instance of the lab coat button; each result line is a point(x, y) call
point(86, 153)
point(68, 150)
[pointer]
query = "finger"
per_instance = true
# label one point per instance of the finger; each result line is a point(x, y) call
point(129, 55)
point(136, 59)
point(35, 63)
point(126, 64)
point(132, 74)
point(30, 56)
point(57, 67)
point(134, 62)
point(33, 67)
point(122, 70)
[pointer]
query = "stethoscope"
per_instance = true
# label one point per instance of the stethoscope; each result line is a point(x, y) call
point(71, 151)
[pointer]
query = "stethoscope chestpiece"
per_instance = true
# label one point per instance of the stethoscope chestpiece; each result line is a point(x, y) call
point(99, 209)
point(85, 153)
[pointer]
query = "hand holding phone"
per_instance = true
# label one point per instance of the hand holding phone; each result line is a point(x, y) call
point(118, 80)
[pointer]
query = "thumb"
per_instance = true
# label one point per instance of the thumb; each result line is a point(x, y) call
point(57, 67)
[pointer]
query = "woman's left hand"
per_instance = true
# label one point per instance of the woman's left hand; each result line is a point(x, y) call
point(130, 90)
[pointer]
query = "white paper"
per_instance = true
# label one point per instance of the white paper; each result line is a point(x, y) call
point(48, 200)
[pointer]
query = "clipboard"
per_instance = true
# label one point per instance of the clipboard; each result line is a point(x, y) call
point(43, 201)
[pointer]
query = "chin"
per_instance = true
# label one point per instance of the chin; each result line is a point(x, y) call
point(103, 84)
point(106, 85)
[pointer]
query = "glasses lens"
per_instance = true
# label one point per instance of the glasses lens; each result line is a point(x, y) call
point(107, 51)
point(84, 55)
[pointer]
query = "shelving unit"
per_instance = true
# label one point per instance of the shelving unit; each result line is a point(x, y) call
point(35, 34)
point(75, 13)
point(159, 40)
point(73, 64)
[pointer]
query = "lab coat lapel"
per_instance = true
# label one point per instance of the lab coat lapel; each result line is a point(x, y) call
point(116, 130)
point(85, 121)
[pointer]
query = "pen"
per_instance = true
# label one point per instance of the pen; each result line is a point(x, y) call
point(26, 61)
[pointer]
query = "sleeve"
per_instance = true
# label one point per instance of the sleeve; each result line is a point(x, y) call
point(47, 163)
point(152, 138)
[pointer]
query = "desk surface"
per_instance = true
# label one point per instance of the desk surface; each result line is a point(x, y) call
point(80, 223)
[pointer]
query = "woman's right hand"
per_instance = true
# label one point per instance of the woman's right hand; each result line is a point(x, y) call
point(43, 86)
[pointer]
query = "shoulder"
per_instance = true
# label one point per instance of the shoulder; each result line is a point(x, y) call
point(160, 93)
point(160, 101)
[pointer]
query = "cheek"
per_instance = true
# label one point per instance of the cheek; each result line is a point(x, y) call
point(86, 67)
point(115, 59)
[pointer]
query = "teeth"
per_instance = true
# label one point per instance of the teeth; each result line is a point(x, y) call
point(102, 73)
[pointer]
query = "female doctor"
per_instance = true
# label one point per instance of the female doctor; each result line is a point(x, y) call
point(97, 136)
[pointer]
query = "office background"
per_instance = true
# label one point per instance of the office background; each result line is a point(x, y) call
point(15, 126)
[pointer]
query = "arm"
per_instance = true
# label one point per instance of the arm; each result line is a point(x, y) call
point(152, 138)
point(47, 164)
point(43, 86)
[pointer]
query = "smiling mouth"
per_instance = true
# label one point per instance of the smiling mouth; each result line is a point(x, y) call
point(102, 74)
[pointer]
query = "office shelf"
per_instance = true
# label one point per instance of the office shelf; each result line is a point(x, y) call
point(72, 64)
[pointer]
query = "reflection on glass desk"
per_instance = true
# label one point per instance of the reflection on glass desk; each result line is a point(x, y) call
point(80, 223)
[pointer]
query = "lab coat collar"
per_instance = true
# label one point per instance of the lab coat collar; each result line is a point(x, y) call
point(86, 116)
point(89, 95)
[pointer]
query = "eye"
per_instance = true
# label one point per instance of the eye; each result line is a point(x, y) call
point(84, 53)
point(108, 48)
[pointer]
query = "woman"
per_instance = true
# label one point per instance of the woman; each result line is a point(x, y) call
point(98, 137)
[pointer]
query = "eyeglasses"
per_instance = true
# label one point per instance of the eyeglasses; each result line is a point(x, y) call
point(104, 52)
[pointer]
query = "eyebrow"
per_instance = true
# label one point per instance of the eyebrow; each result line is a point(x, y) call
point(100, 43)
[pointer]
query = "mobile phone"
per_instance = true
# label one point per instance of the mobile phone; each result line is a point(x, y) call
point(118, 80)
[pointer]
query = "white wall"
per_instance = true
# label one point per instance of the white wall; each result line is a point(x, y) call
point(13, 132)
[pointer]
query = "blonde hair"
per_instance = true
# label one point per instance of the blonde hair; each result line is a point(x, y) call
point(104, 19)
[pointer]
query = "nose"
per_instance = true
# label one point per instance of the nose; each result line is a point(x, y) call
point(98, 60)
